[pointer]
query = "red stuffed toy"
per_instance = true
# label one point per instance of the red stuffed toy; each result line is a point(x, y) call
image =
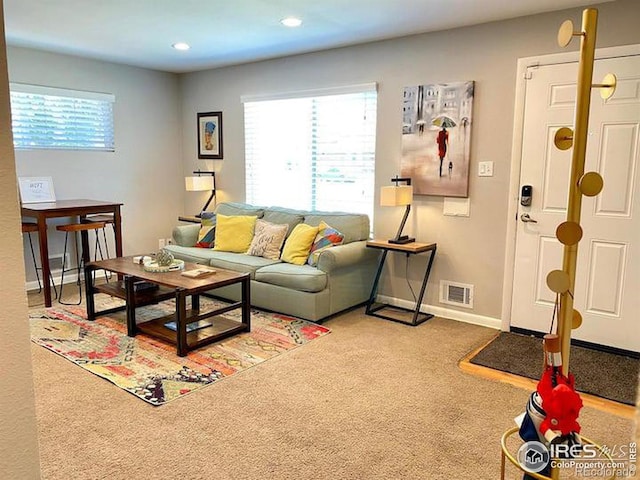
point(561, 404)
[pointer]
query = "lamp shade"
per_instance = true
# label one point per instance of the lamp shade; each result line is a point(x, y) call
point(394, 196)
point(198, 184)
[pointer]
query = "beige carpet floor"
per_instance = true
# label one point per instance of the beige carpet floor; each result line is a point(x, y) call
point(372, 400)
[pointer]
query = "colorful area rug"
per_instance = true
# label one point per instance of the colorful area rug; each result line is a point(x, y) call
point(150, 368)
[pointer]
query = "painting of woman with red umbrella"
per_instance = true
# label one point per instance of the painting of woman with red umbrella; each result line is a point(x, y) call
point(436, 137)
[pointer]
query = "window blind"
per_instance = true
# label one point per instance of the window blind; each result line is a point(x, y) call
point(55, 118)
point(312, 152)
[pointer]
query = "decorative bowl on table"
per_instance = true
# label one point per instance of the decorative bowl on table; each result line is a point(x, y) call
point(163, 262)
point(153, 266)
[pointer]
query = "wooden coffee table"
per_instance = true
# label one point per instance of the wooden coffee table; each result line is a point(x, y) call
point(170, 285)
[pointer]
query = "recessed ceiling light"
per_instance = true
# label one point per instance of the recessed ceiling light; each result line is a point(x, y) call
point(291, 22)
point(181, 46)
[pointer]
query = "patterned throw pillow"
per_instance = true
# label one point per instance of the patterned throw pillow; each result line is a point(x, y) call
point(207, 233)
point(296, 248)
point(234, 233)
point(267, 240)
point(327, 237)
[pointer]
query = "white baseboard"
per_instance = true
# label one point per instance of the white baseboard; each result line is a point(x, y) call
point(69, 277)
point(444, 312)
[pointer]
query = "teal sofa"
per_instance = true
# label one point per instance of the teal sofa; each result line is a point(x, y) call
point(342, 278)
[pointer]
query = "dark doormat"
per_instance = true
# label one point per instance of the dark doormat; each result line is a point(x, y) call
point(602, 374)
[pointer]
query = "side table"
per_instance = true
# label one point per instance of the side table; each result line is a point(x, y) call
point(189, 219)
point(373, 308)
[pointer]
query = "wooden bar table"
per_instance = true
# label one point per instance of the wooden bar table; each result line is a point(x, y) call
point(69, 208)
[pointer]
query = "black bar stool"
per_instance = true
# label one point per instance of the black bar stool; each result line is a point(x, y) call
point(76, 228)
point(29, 228)
point(107, 219)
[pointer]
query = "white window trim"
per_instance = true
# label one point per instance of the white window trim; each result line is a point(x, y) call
point(61, 92)
point(317, 92)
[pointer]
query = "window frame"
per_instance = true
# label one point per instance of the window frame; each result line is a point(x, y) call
point(314, 176)
point(42, 142)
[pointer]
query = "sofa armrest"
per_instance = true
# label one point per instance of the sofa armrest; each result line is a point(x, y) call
point(185, 235)
point(342, 256)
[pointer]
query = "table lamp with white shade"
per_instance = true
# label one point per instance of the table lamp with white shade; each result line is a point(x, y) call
point(396, 196)
point(200, 183)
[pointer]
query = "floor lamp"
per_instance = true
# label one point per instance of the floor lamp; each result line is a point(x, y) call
point(201, 183)
point(396, 196)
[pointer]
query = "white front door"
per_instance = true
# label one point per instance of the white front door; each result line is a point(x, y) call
point(607, 290)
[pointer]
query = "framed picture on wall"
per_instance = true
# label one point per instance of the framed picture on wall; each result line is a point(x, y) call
point(436, 137)
point(210, 135)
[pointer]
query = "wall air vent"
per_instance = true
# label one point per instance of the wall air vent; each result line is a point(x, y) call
point(55, 263)
point(458, 294)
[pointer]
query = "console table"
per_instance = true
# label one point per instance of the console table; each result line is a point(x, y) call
point(189, 219)
point(374, 308)
point(69, 208)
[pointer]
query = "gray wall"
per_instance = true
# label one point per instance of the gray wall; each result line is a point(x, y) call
point(470, 250)
point(144, 172)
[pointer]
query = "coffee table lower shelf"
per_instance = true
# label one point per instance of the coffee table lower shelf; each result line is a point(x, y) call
point(221, 327)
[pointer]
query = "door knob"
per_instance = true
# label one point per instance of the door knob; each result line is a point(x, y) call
point(527, 219)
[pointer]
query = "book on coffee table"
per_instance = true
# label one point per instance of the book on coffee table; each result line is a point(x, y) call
point(198, 272)
point(190, 326)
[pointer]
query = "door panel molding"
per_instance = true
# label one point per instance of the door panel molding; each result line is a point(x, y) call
point(617, 169)
point(607, 261)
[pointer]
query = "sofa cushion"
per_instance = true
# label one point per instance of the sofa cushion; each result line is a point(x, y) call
point(283, 215)
point(234, 233)
point(297, 277)
point(354, 226)
point(192, 254)
point(207, 232)
point(268, 239)
point(327, 237)
point(230, 208)
point(239, 262)
point(296, 248)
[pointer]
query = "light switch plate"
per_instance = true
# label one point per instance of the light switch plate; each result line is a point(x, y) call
point(485, 169)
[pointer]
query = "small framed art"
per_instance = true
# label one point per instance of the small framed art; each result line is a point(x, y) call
point(36, 189)
point(210, 135)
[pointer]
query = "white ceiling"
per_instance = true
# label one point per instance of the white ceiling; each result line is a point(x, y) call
point(226, 32)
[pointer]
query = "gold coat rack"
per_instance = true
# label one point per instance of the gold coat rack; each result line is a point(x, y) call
point(581, 184)
point(589, 184)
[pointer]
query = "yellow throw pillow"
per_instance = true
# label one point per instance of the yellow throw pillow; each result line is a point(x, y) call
point(234, 233)
point(296, 248)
